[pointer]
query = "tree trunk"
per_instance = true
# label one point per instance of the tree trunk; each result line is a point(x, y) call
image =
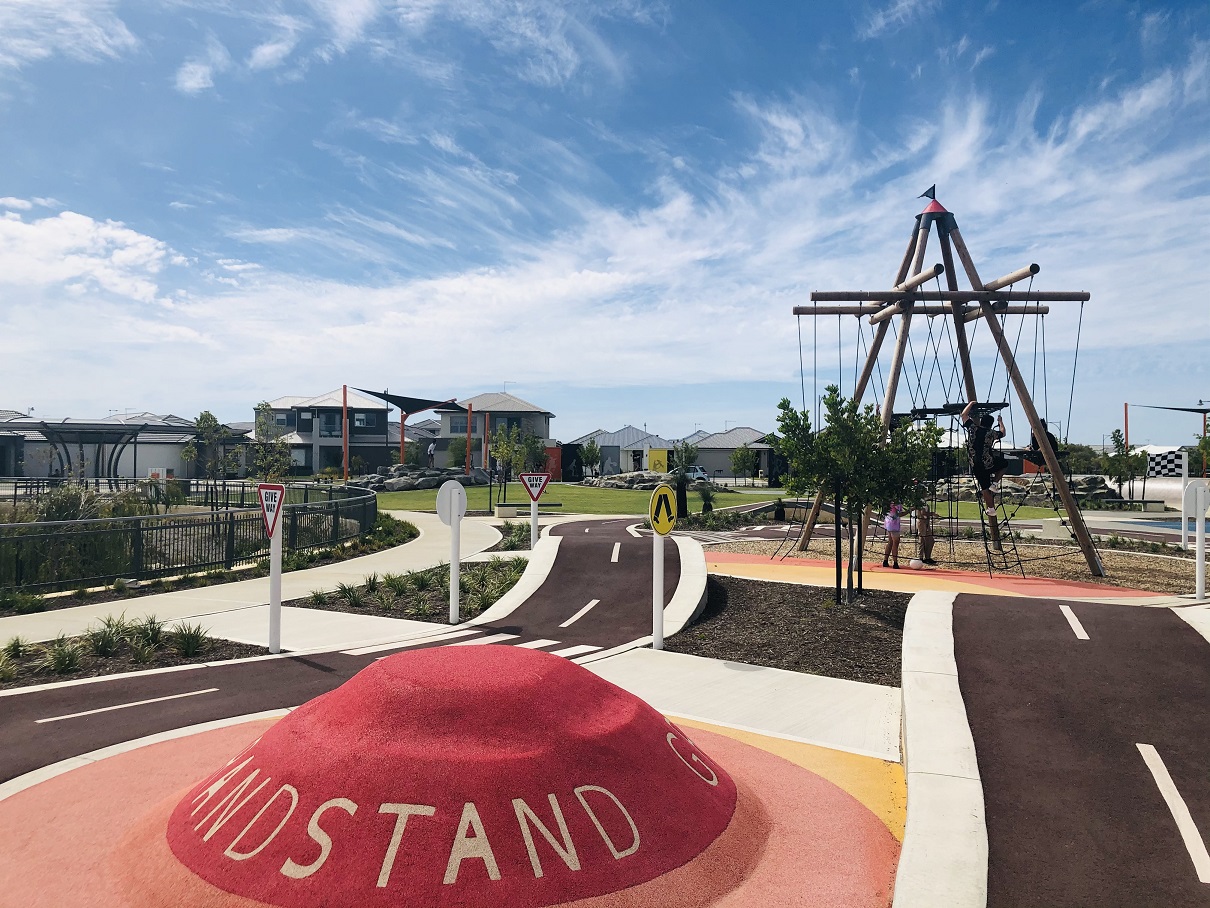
point(836, 524)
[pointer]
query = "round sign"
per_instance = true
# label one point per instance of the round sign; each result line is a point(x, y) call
point(451, 501)
point(663, 509)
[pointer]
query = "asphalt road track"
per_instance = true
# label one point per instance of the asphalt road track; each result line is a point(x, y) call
point(1075, 817)
point(583, 571)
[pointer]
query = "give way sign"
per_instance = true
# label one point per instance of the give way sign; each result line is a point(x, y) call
point(272, 497)
point(535, 484)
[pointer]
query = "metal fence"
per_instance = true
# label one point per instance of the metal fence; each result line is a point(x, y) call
point(227, 493)
point(66, 555)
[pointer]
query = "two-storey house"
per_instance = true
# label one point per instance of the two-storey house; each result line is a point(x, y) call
point(312, 426)
point(506, 411)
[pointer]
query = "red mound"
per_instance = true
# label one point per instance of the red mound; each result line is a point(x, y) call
point(456, 776)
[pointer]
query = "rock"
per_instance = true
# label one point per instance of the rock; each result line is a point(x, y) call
point(400, 484)
point(384, 471)
point(429, 482)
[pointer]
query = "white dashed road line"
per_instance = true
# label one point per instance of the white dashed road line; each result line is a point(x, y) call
point(105, 709)
point(575, 651)
point(537, 644)
point(1076, 626)
point(404, 644)
point(617, 549)
point(633, 530)
point(580, 614)
point(1180, 811)
point(490, 638)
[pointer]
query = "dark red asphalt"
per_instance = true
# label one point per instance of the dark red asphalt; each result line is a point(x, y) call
point(1074, 816)
point(583, 571)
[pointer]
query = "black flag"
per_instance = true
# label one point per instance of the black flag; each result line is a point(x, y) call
point(930, 193)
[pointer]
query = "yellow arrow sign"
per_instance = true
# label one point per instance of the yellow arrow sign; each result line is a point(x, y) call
point(663, 509)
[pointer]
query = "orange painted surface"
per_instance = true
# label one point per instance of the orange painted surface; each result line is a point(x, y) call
point(905, 580)
point(95, 836)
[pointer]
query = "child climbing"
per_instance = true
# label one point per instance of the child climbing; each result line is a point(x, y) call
point(986, 463)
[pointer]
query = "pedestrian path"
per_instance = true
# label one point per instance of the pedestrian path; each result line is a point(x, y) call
point(222, 604)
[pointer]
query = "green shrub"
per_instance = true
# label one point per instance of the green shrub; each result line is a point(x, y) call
point(189, 639)
point(121, 587)
point(352, 595)
point(83, 593)
point(399, 584)
point(8, 668)
point(148, 632)
point(371, 584)
point(16, 647)
point(103, 641)
point(422, 581)
point(61, 657)
point(318, 598)
point(142, 652)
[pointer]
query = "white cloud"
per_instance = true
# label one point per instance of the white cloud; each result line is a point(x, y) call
point(20, 204)
point(894, 17)
point(347, 19)
point(197, 74)
point(32, 30)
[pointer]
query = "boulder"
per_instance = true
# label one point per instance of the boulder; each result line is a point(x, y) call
point(429, 482)
point(399, 484)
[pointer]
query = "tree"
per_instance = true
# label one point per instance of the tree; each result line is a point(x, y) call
point(855, 463)
point(1123, 465)
point(534, 452)
point(506, 447)
point(744, 461)
point(590, 455)
point(682, 456)
point(1082, 458)
point(1202, 451)
point(457, 454)
point(269, 454)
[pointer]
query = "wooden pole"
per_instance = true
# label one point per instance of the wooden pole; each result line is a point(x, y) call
point(1019, 275)
point(957, 310)
point(871, 360)
point(1126, 424)
point(403, 418)
point(344, 435)
point(922, 278)
point(883, 312)
point(1074, 517)
point(964, 296)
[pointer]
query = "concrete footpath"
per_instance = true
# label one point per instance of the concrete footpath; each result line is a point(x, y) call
point(231, 610)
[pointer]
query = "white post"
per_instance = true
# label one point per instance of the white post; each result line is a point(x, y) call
point(454, 556)
point(1202, 500)
point(275, 585)
point(657, 591)
point(1184, 486)
point(533, 525)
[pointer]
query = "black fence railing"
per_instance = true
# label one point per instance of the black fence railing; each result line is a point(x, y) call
point(227, 493)
point(65, 555)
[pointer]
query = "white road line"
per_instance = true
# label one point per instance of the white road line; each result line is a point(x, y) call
point(633, 530)
point(404, 644)
point(1180, 811)
point(105, 709)
point(574, 651)
point(580, 614)
point(617, 549)
point(537, 644)
point(1076, 626)
point(585, 529)
point(490, 638)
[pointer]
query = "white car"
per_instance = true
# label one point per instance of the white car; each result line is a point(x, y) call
point(694, 473)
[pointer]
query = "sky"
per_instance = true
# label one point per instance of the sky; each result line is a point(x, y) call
point(608, 208)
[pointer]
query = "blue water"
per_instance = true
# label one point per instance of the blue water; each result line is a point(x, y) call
point(1169, 524)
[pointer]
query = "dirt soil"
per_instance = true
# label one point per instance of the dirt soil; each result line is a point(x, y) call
point(799, 628)
point(95, 666)
point(1133, 570)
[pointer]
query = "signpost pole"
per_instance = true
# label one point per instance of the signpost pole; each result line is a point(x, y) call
point(455, 526)
point(533, 524)
point(657, 591)
point(275, 589)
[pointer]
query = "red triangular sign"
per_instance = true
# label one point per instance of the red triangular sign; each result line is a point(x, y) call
point(272, 503)
point(535, 484)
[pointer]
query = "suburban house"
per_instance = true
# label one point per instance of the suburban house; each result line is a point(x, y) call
point(506, 410)
point(311, 426)
point(629, 449)
point(714, 451)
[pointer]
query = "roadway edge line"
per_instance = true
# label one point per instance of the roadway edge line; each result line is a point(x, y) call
point(1194, 843)
point(133, 703)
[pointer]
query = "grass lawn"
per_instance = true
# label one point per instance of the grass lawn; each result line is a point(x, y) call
point(576, 499)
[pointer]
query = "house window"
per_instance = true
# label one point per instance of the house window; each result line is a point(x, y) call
point(365, 420)
point(329, 426)
point(279, 419)
point(457, 425)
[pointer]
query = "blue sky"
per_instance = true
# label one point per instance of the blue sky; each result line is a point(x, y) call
point(611, 206)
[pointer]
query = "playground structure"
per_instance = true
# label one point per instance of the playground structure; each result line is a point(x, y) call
point(986, 302)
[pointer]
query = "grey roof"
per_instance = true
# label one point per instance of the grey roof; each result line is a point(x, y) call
point(499, 402)
point(421, 431)
point(696, 436)
point(585, 439)
point(734, 438)
point(630, 437)
point(329, 399)
point(12, 414)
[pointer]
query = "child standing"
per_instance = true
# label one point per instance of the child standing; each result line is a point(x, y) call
point(893, 525)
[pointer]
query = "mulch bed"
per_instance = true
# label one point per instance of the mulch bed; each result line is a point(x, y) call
point(799, 628)
point(96, 666)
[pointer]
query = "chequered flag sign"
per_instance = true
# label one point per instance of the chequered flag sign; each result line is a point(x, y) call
point(1170, 463)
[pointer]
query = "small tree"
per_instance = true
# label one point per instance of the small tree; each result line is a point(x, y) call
point(269, 453)
point(506, 447)
point(744, 461)
point(853, 461)
point(682, 456)
point(534, 452)
point(457, 453)
point(1201, 451)
point(1123, 465)
point(590, 455)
